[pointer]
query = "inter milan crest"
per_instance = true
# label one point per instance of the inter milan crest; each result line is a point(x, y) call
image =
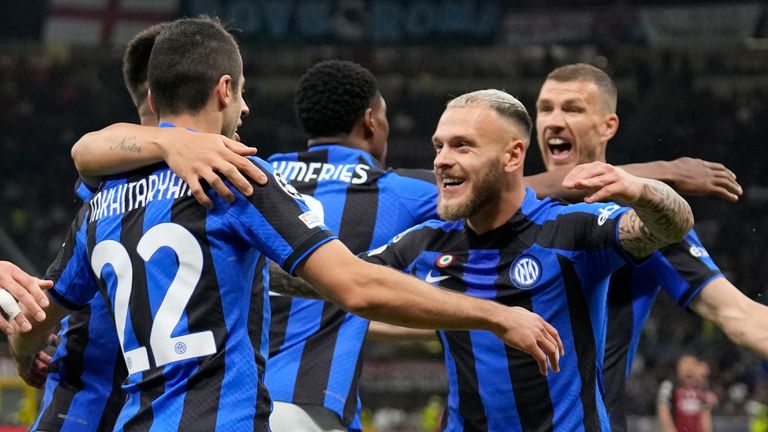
point(444, 261)
point(525, 272)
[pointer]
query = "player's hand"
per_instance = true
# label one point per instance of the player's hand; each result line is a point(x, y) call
point(17, 286)
point(699, 177)
point(34, 371)
point(528, 332)
point(202, 157)
point(604, 182)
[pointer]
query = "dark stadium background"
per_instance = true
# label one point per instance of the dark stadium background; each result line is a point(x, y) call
point(692, 78)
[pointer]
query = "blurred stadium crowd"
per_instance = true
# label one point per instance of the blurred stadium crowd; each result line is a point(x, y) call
point(709, 102)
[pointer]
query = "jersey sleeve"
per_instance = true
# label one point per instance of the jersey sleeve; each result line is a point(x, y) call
point(278, 222)
point(74, 283)
point(682, 269)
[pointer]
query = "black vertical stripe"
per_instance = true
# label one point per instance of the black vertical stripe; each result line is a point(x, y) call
point(584, 341)
point(204, 312)
point(350, 406)
point(152, 383)
point(533, 400)
point(317, 357)
point(255, 328)
point(470, 405)
point(308, 187)
point(116, 397)
point(70, 370)
point(358, 219)
point(618, 334)
point(278, 326)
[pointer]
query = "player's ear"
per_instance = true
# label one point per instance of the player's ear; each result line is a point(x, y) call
point(514, 155)
point(610, 126)
point(368, 123)
point(151, 102)
point(224, 90)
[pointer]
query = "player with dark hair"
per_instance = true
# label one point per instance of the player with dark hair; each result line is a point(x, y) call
point(186, 283)
point(315, 347)
point(500, 242)
point(576, 117)
point(82, 389)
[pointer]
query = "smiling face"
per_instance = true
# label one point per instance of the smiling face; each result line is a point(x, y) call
point(573, 123)
point(469, 164)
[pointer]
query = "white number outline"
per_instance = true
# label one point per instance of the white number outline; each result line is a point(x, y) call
point(166, 349)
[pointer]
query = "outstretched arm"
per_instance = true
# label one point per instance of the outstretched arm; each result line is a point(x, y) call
point(193, 156)
point(382, 294)
point(282, 283)
point(743, 320)
point(659, 216)
point(685, 175)
point(285, 284)
point(391, 333)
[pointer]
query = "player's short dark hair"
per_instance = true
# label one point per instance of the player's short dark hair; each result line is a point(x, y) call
point(587, 72)
point(332, 95)
point(136, 60)
point(187, 61)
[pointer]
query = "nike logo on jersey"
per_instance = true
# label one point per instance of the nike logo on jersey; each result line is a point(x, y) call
point(432, 279)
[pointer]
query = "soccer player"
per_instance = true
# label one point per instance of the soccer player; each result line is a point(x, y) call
point(83, 387)
point(575, 119)
point(315, 347)
point(500, 242)
point(186, 284)
point(681, 405)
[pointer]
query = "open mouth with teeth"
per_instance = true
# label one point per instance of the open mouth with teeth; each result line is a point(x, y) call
point(450, 182)
point(559, 148)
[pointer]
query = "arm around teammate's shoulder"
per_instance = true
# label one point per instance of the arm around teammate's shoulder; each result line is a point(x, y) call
point(659, 216)
point(383, 294)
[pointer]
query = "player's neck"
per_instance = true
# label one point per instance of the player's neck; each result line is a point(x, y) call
point(499, 212)
point(336, 139)
point(198, 122)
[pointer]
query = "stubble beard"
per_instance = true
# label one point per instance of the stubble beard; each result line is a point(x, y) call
point(487, 190)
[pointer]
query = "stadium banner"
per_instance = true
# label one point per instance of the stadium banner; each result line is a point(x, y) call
point(102, 22)
point(430, 22)
point(718, 23)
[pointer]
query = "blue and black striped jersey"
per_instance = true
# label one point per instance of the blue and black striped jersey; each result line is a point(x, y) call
point(552, 259)
point(82, 391)
point(315, 347)
point(682, 270)
point(185, 285)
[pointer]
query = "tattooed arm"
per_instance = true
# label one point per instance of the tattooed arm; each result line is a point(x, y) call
point(659, 217)
point(282, 283)
point(194, 157)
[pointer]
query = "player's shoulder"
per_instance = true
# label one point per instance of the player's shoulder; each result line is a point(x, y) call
point(544, 210)
point(431, 228)
point(261, 163)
